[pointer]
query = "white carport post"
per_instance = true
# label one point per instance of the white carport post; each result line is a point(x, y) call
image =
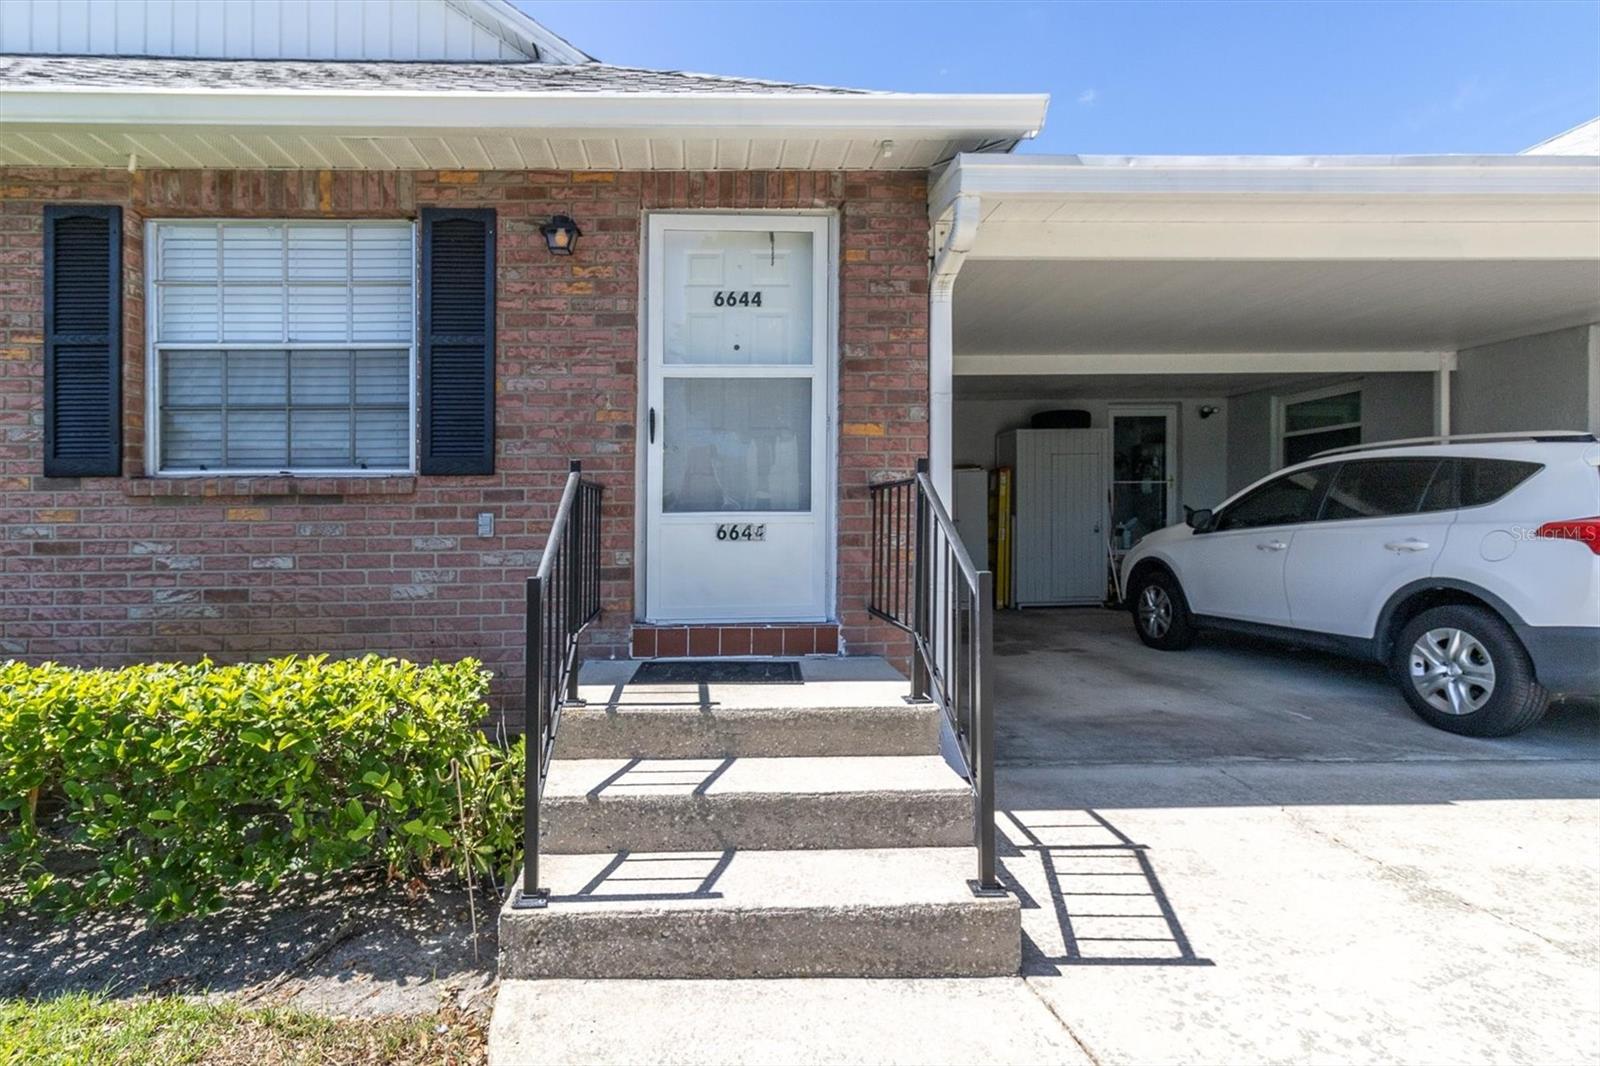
point(1441, 404)
point(964, 216)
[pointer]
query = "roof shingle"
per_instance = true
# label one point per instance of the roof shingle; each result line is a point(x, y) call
point(120, 72)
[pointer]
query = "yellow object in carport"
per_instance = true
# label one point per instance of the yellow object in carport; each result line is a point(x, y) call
point(1000, 524)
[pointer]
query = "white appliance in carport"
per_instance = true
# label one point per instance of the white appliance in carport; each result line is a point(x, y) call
point(1059, 498)
point(969, 492)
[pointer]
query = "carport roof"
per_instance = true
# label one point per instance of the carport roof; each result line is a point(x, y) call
point(1393, 258)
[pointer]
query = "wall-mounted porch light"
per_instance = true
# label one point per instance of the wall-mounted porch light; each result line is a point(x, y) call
point(560, 235)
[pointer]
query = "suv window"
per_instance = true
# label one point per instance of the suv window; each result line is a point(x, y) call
point(1481, 481)
point(1282, 501)
point(1378, 488)
point(1441, 494)
point(1475, 482)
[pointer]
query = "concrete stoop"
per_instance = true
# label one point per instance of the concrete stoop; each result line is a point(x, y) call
point(701, 804)
point(692, 731)
point(900, 912)
point(756, 831)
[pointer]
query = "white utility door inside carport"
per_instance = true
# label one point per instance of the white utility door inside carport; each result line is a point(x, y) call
point(1059, 541)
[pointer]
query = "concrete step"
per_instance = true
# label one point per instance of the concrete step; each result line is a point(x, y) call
point(609, 805)
point(841, 706)
point(693, 730)
point(901, 912)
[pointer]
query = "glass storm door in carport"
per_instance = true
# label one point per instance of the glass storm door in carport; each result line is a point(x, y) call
point(737, 486)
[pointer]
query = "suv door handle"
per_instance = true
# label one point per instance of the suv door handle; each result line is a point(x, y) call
point(1411, 544)
point(1272, 546)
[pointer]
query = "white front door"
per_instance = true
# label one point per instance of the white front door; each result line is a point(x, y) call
point(738, 437)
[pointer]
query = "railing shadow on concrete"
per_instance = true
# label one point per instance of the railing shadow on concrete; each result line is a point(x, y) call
point(1108, 903)
point(697, 871)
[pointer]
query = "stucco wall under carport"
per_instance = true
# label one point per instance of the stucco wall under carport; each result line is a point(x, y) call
point(1202, 442)
point(1393, 407)
point(1543, 381)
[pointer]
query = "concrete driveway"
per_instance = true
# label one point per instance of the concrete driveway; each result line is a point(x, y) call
point(1075, 686)
point(1247, 855)
point(1225, 855)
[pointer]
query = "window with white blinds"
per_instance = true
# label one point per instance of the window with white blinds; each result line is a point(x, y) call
point(283, 346)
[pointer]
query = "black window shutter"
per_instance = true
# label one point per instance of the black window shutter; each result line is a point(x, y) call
point(457, 391)
point(82, 341)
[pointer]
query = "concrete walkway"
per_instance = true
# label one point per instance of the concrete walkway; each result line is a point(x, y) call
point(1272, 862)
point(1425, 912)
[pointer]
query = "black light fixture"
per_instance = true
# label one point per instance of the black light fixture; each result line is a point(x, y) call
point(560, 235)
point(1207, 410)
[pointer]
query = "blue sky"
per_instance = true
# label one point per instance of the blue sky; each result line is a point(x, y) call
point(1158, 77)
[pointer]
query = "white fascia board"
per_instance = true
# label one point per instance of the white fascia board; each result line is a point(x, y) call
point(518, 30)
point(953, 115)
point(1294, 177)
point(1101, 363)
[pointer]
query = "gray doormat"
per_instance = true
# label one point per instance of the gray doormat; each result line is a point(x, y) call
point(717, 672)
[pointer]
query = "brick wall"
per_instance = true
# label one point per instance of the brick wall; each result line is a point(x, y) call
point(104, 571)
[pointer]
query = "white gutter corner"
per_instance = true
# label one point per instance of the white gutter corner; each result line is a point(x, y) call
point(964, 218)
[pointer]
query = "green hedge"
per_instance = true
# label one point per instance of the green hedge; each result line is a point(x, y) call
point(162, 786)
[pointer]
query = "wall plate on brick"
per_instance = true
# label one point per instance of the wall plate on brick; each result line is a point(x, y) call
point(485, 523)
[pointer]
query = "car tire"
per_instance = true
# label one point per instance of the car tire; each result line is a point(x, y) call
point(1161, 611)
point(1463, 670)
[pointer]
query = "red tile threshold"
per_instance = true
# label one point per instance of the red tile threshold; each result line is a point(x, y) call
point(710, 642)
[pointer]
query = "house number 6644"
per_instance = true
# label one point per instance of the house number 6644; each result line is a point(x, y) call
point(735, 531)
point(746, 298)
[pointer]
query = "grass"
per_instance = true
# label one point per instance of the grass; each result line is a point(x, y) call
point(81, 1029)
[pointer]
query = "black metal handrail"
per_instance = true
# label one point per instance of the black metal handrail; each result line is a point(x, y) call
point(563, 598)
point(924, 582)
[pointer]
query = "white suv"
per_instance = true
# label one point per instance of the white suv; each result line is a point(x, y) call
point(1471, 568)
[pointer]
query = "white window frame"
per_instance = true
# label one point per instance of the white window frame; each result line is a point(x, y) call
point(154, 348)
point(1280, 415)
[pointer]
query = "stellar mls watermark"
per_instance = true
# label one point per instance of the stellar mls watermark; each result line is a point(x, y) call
point(1578, 531)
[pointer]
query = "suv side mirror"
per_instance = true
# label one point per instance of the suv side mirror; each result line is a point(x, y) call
point(1199, 520)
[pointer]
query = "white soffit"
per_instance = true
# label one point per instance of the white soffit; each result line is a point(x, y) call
point(84, 127)
point(1063, 308)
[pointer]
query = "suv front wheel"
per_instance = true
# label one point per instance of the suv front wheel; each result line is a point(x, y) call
point(1462, 669)
point(1161, 612)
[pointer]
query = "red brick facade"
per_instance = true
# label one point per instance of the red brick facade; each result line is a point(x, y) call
point(102, 571)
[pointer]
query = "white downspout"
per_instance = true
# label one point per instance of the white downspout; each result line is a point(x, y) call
point(947, 262)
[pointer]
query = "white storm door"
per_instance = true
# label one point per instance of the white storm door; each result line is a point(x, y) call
point(737, 433)
point(1143, 472)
